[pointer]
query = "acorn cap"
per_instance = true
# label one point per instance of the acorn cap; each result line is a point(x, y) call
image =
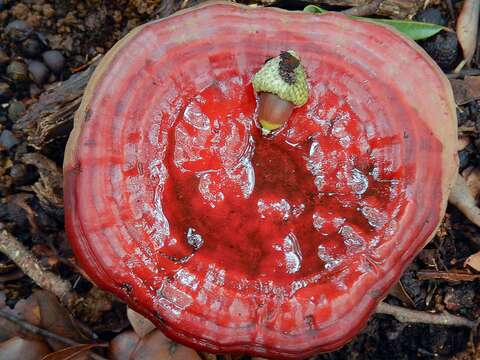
point(283, 76)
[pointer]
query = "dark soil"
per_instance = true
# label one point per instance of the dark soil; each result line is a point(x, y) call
point(78, 31)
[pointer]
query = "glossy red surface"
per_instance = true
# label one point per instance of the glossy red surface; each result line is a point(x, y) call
point(234, 242)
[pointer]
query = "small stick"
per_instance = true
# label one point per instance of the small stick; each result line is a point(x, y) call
point(421, 317)
point(364, 10)
point(451, 11)
point(24, 259)
point(464, 72)
point(47, 280)
point(42, 332)
point(445, 275)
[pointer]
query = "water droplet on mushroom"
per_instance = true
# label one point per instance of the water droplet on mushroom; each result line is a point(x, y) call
point(330, 262)
point(375, 218)
point(280, 209)
point(350, 237)
point(210, 189)
point(194, 116)
point(318, 221)
point(293, 255)
point(194, 239)
point(358, 182)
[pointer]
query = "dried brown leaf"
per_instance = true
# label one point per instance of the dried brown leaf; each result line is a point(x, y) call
point(25, 308)
point(141, 325)
point(467, 29)
point(42, 309)
point(154, 346)
point(461, 197)
point(94, 305)
point(54, 317)
point(18, 348)
point(466, 90)
point(401, 294)
point(474, 261)
point(123, 345)
point(472, 177)
point(71, 353)
point(463, 142)
point(208, 356)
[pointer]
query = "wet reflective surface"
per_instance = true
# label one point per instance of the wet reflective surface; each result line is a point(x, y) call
point(304, 202)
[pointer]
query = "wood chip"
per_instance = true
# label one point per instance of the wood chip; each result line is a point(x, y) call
point(51, 117)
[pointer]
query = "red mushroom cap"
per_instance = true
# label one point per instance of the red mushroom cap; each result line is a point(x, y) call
point(231, 242)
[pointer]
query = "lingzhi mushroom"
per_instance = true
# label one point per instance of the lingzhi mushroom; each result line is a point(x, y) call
point(230, 240)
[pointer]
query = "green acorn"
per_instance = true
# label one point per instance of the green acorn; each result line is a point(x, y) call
point(281, 85)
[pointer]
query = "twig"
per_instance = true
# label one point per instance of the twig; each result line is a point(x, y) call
point(82, 67)
point(445, 275)
point(35, 329)
point(421, 317)
point(451, 12)
point(42, 332)
point(364, 10)
point(463, 73)
point(24, 259)
point(47, 280)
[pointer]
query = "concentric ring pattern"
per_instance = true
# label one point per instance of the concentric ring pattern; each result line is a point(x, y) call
point(231, 242)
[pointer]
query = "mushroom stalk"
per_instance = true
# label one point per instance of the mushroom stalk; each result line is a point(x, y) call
point(281, 85)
